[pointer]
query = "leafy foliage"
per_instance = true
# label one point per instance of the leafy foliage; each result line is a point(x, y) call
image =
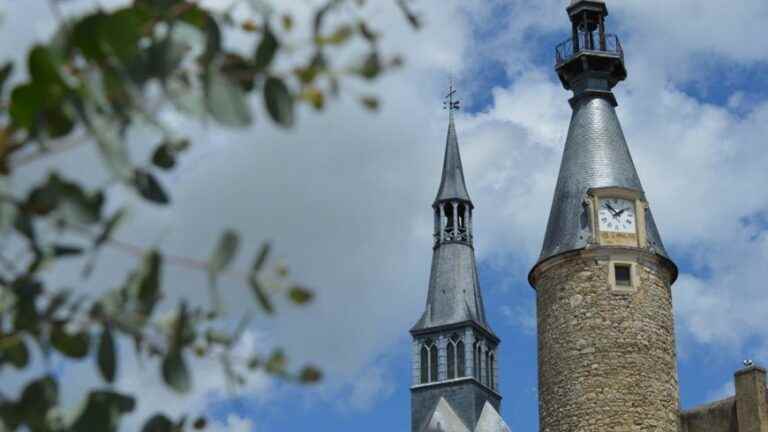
point(102, 75)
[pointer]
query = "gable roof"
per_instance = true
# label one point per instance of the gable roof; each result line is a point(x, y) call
point(491, 421)
point(444, 419)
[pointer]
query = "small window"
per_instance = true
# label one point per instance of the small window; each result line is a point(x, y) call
point(623, 273)
point(451, 354)
point(433, 363)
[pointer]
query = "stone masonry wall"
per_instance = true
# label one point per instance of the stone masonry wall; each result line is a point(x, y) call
point(606, 358)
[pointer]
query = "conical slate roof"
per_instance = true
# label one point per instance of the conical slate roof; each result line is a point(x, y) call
point(454, 290)
point(452, 185)
point(596, 155)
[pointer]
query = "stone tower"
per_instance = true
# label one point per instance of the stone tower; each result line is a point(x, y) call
point(455, 367)
point(603, 280)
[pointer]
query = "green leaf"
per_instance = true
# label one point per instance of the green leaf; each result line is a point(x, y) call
point(276, 363)
point(149, 188)
point(300, 295)
point(239, 70)
point(255, 283)
point(224, 253)
point(37, 398)
point(61, 251)
point(102, 411)
point(261, 258)
point(166, 152)
point(14, 350)
point(147, 282)
point(110, 226)
point(366, 32)
point(371, 67)
point(43, 68)
point(369, 102)
point(163, 157)
point(279, 102)
point(266, 50)
point(261, 295)
point(310, 375)
point(200, 423)
point(72, 345)
point(26, 291)
point(71, 203)
point(340, 36)
point(27, 102)
point(122, 29)
point(85, 36)
point(158, 423)
point(106, 357)
point(226, 100)
point(175, 372)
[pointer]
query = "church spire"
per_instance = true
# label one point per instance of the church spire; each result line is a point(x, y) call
point(454, 293)
point(452, 184)
point(455, 367)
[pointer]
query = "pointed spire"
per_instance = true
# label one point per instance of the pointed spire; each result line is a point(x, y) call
point(454, 294)
point(452, 184)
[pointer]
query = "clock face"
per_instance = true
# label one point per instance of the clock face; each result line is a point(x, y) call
point(617, 215)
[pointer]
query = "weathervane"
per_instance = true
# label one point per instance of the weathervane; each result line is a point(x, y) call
point(450, 104)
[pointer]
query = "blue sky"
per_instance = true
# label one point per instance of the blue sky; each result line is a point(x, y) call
point(356, 223)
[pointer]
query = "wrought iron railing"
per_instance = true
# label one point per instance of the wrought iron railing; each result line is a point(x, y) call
point(588, 43)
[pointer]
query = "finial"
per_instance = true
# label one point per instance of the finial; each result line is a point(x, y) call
point(748, 363)
point(449, 103)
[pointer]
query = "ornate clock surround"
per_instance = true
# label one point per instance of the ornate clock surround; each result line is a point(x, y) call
point(604, 238)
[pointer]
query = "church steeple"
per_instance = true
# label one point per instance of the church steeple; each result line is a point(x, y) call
point(454, 292)
point(454, 348)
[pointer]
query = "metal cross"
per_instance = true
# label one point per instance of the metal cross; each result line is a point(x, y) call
point(449, 103)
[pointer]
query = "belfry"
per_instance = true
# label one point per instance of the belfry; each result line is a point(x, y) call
point(455, 365)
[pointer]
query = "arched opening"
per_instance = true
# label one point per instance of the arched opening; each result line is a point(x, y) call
point(460, 359)
point(477, 357)
point(433, 363)
point(488, 368)
point(462, 217)
point(492, 371)
point(424, 365)
point(448, 212)
point(451, 354)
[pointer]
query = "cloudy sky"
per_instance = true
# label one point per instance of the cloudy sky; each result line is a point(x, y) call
point(345, 198)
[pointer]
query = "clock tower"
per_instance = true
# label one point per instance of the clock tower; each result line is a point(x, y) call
point(606, 346)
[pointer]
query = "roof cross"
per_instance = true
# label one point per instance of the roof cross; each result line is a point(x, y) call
point(449, 103)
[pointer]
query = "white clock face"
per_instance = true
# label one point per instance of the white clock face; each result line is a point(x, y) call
point(617, 215)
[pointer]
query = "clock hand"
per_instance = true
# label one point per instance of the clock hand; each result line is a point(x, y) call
point(608, 206)
point(619, 213)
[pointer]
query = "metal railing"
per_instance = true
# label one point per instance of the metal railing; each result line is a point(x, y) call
point(588, 43)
